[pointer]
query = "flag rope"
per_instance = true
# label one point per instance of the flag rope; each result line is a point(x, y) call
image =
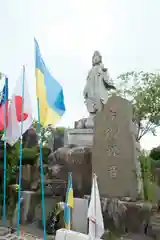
point(41, 171)
point(20, 158)
point(5, 154)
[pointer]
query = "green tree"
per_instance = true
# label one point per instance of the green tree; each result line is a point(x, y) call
point(150, 187)
point(155, 153)
point(143, 90)
point(45, 131)
point(48, 132)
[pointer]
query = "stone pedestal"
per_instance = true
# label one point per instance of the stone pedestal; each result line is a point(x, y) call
point(78, 137)
point(29, 200)
point(28, 206)
point(79, 215)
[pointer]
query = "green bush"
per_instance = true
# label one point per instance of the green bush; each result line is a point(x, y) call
point(12, 162)
point(150, 187)
point(155, 153)
point(60, 130)
point(155, 164)
point(152, 191)
point(46, 151)
point(30, 156)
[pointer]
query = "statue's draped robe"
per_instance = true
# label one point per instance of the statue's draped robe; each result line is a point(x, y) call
point(95, 90)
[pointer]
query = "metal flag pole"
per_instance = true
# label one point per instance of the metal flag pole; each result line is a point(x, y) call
point(41, 159)
point(20, 157)
point(94, 181)
point(5, 152)
point(41, 172)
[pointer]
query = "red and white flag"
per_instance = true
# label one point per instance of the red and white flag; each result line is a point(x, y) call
point(15, 115)
point(96, 224)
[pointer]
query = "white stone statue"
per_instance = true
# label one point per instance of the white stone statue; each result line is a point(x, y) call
point(95, 91)
point(97, 85)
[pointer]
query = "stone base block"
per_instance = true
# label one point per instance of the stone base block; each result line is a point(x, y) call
point(78, 137)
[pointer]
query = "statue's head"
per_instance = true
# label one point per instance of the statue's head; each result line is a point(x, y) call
point(97, 58)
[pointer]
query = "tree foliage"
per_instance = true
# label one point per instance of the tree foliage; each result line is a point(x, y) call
point(48, 132)
point(143, 90)
point(150, 187)
point(155, 153)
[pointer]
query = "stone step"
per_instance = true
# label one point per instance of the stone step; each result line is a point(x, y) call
point(136, 237)
point(4, 231)
point(157, 222)
point(5, 234)
point(11, 237)
point(155, 219)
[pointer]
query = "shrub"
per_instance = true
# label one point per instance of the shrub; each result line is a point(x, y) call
point(150, 187)
point(30, 156)
point(155, 153)
point(46, 151)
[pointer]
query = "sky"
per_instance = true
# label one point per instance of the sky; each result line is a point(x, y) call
point(126, 32)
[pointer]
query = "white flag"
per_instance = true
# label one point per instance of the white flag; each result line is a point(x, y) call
point(15, 115)
point(96, 224)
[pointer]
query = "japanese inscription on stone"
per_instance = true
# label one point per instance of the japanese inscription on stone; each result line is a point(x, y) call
point(113, 114)
point(112, 171)
point(110, 137)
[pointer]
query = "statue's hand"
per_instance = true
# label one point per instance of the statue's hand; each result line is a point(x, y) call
point(108, 85)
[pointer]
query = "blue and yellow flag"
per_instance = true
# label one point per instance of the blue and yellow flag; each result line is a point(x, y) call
point(69, 203)
point(49, 92)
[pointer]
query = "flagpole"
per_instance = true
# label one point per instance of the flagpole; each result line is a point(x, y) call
point(20, 157)
point(41, 171)
point(5, 154)
point(68, 225)
point(95, 201)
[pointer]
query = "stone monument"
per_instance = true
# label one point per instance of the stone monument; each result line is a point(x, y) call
point(110, 132)
point(105, 143)
point(114, 152)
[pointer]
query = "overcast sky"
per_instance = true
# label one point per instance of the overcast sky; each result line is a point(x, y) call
point(126, 32)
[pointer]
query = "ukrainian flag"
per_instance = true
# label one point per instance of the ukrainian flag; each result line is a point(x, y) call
point(69, 203)
point(49, 92)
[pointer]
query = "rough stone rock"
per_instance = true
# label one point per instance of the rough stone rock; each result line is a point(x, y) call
point(58, 141)
point(76, 160)
point(29, 175)
point(138, 216)
point(30, 138)
point(53, 187)
point(125, 217)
